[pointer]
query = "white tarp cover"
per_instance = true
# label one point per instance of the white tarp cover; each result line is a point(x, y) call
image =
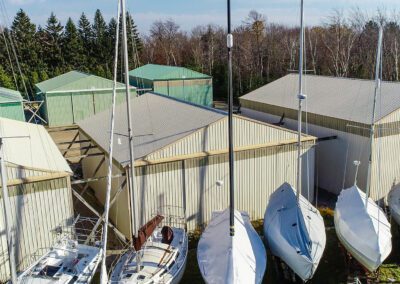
point(364, 233)
point(394, 203)
point(295, 232)
point(37, 151)
point(226, 259)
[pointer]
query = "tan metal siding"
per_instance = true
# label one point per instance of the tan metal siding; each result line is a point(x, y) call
point(36, 210)
point(214, 137)
point(386, 166)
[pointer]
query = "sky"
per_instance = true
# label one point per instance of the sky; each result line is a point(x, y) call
point(190, 13)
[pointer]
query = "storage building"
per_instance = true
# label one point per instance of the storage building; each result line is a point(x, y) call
point(182, 159)
point(11, 104)
point(177, 82)
point(341, 108)
point(38, 180)
point(73, 96)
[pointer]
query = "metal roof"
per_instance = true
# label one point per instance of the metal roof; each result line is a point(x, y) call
point(9, 96)
point(37, 150)
point(342, 98)
point(76, 81)
point(157, 122)
point(157, 72)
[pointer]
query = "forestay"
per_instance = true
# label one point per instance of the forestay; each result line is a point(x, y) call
point(353, 219)
point(294, 231)
point(226, 259)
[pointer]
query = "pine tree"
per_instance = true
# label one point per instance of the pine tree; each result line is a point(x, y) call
point(100, 41)
point(72, 46)
point(53, 43)
point(86, 34)
point(23, 36)
point(5, 79)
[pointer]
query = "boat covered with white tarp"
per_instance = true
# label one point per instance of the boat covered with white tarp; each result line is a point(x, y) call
point(226, 259)
point(363, 230)
point(294, 231)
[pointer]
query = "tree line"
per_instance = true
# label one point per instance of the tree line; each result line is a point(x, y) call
point(342, 45)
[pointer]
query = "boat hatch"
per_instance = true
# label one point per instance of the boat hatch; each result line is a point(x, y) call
point(49, 270)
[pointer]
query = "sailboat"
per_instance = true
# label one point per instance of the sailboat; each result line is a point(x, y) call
point(361, 225)
point(158, 253)
point(230, 250)
point(68, 261)
point(293, 227)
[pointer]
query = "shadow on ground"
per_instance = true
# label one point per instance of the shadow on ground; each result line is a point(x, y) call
point(332, 268)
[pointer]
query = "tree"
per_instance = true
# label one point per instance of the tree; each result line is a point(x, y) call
point(5, 80)
point(72, 46)
point(52, 43)
point(339, 39)
point(86, 34)
point(22, 37)
point(99, 40)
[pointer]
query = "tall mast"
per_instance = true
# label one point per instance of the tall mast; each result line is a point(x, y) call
point(103, 274)
point(229, 42)
point(6, 211)
point(131, 173)
point(372, 130)
point(301, 97)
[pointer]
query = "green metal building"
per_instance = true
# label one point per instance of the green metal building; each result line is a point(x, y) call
point(74, 96)
point(177, 82)
point(11, 104)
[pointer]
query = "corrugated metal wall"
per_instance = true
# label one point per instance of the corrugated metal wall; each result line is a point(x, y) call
point(12, 111)
point(214, 137)
point(199, 91)
point(68, 108)
point(191, 183)
point(334, 158)
point(36, 209)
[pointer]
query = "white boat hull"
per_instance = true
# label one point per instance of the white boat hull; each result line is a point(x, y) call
point(294, 231)
point(363, 230)
point(67, 262)
point(160, 263)
point(394, 203)
point(225, 259)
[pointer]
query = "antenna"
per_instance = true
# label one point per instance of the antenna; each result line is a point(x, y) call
point(229, 43)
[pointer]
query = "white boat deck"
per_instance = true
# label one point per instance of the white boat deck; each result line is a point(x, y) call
point(160, 263)
point(68, 262)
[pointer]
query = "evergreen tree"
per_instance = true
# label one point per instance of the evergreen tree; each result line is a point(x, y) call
point(100, 41)
point(72, 46)
point(5, 79)
point(23, 35)
point(86, 34)
point(53, 43)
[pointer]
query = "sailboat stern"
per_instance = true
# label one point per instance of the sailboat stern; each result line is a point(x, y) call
point(363, 230)
point(294, 231)
point(226, 259)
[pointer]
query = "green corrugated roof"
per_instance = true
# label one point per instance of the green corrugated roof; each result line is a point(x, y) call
point(8, 95)
point(156, 72)
point(74, 81)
